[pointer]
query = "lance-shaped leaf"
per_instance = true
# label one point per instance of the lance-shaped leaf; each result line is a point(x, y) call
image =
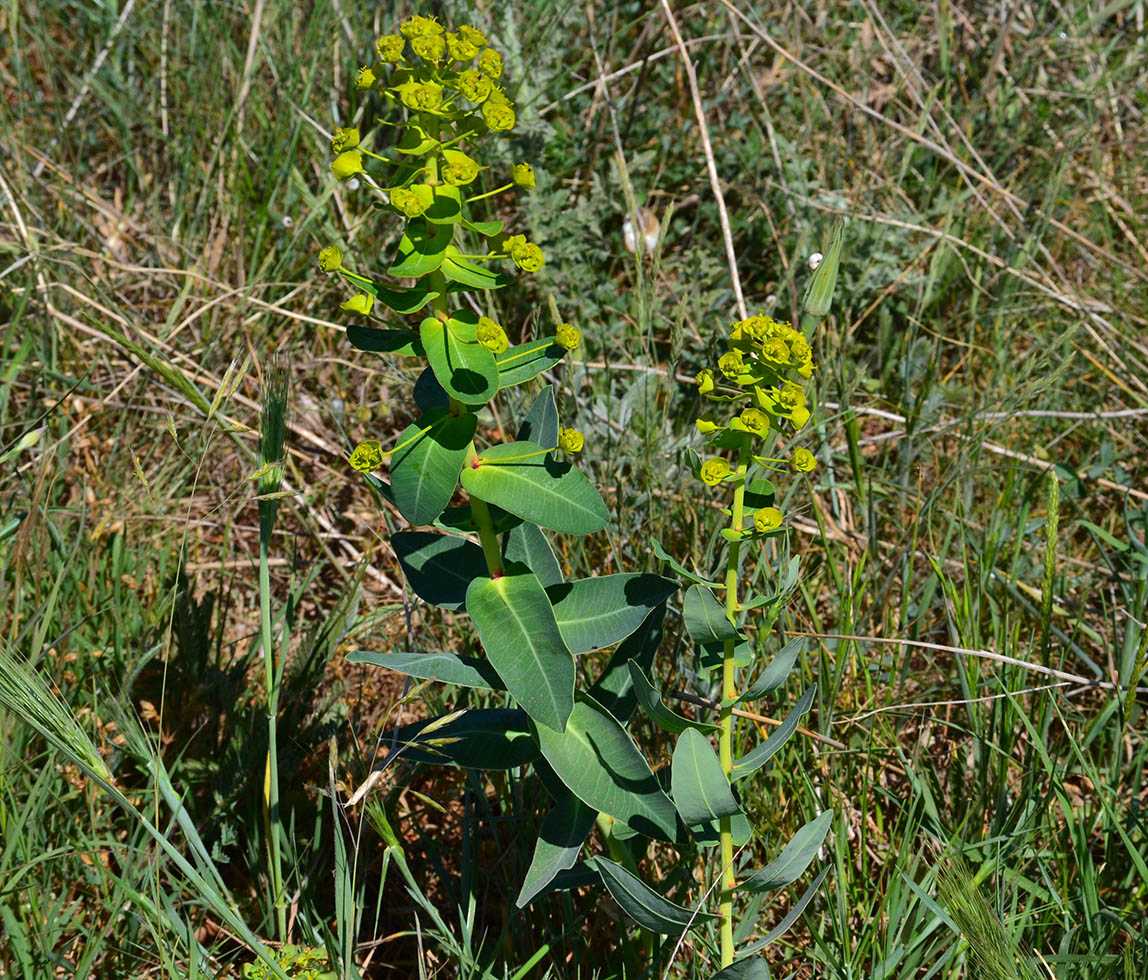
point(387, 341)
point(527, 544)
point(439, 567)
point(424, 473)
point(522, 362)
point(644, 905)
point(541, 422)
point(516, 624)
point(614, 689)
point(760, 754)
point(705, 619)
point(791, 916)
point(598, 612)
point(463, 367)
point(776, 671)
point(701, 791)
point(488, 229)
point(794, 858)
point(650, 701)
point(421, 249)
point(750, 968)
point(598, 763)
point(409, 300)
point(521, 478)
point(445, 667)
point(681, 569)
point(462, 270)
point(491, 738)
point(563, 831)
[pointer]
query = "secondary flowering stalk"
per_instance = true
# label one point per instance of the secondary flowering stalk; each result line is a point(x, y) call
point(729, 697)
point(763, 374)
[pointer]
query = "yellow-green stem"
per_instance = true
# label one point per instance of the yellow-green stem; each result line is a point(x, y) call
point(729, 694)
point(487, 536)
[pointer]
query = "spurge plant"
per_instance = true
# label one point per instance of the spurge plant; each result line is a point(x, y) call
point(437, 94)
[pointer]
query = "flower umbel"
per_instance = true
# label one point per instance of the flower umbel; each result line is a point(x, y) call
point(491, 335)
point(714, 470)
point(767, 519)
point(570, 440)
point(803, 461)
point(367, 456)
point(568, 336)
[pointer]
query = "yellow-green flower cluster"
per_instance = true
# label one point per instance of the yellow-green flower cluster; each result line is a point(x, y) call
point(449, 74)
point(763, 371)
point(440, 97)
point(491, 335)
point(367, 456)
point(759, 381)
point(570, 440)
point(526, 255)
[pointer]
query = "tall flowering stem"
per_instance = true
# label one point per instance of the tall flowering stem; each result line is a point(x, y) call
point(758, 385)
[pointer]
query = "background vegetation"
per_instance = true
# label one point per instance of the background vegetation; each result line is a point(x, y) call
point(163, 193)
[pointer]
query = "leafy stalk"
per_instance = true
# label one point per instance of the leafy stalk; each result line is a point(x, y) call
point(729, 697)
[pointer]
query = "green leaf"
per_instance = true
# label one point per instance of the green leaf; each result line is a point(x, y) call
point(409, 300)
point(457, 519)
point(759, 493)
point(541, 422)
point(709, 835)
point(528, 545)
point(516, 624)
point(490, 738)
point(1105, 536)
point(705, 619)
point(794, 858)
point(439, 567)
point(758, 756)
point(598, 763)
point(421, 249)
point(429, 394)
point(488, 229)
point(680, 568)
point(644, 905)
point(598, 612)
point(445, 667)
point(650, 700)
point(446, 209)
point(750, 968)
point(401, 342)
point(701, 791)
point(776, 671)
point(468, 273)
point(791, 916)
point(539, 489)
point(523, 362)
point(425, 473)
point(614, 689)
point(463, 367)
point(563, 832)
point(415, 141)
point(712, 655)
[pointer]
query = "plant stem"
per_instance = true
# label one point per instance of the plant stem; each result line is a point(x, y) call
point(479, 511)
point(271, 775)
point(729, 694)
point(487, 535)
